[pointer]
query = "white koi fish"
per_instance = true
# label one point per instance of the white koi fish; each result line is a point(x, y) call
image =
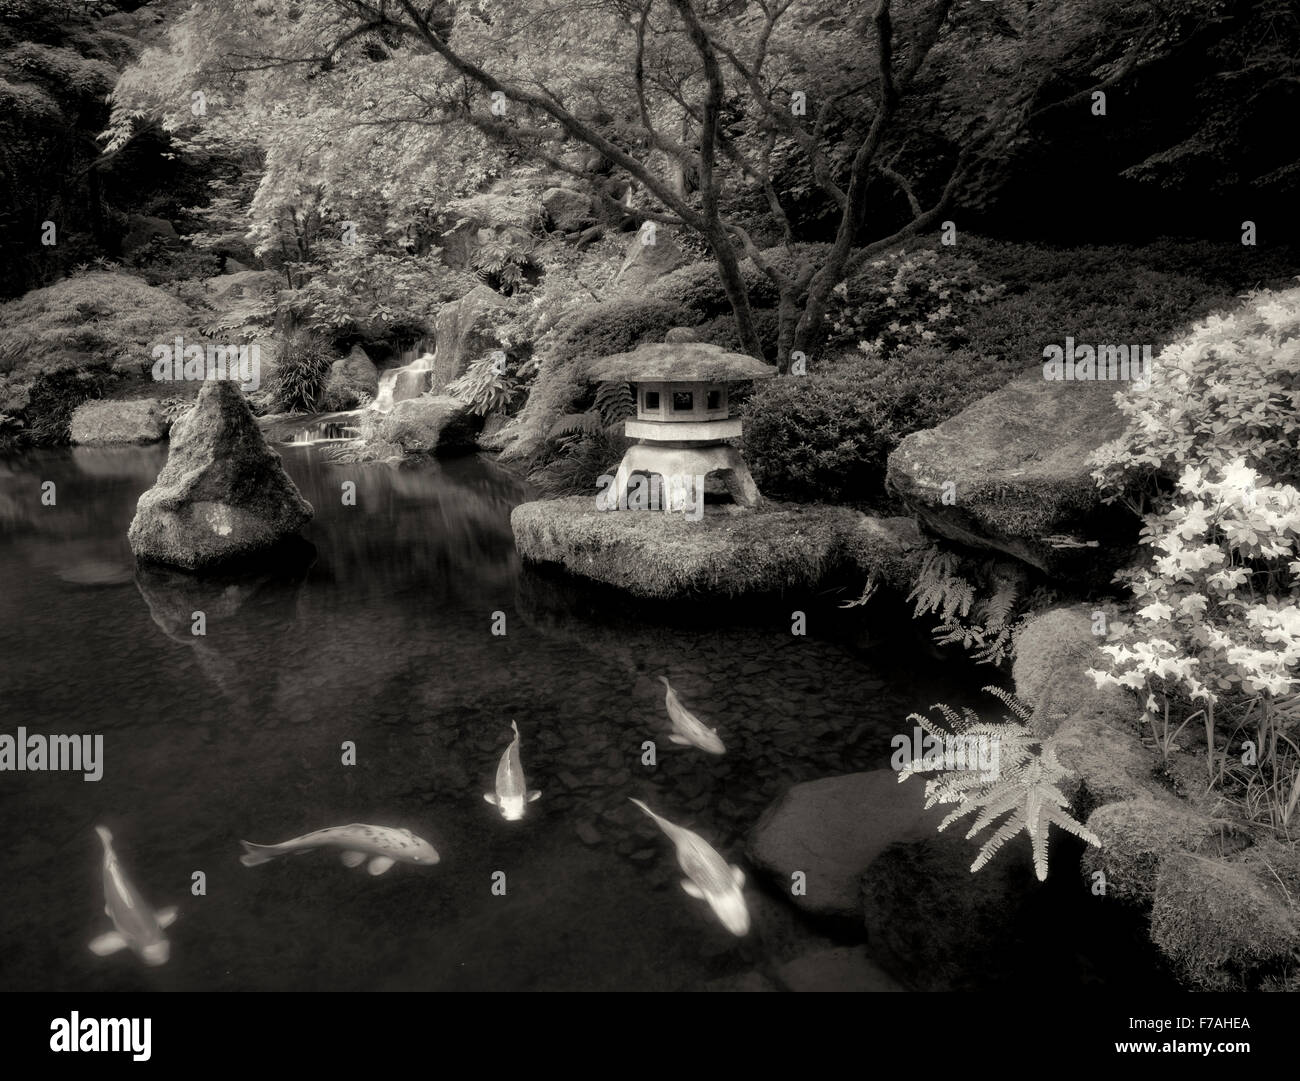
point(384, 844)
point(512, 789)
point(688, 729)
point(708, 876)
point(135, 924)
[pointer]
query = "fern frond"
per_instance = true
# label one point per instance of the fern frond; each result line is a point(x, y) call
point(1025, 788)
point(614, 402)
point(587, 423)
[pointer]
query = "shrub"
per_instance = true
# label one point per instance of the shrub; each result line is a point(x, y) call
point(483, 388)
point(92, 317)
point(302, 364)
point(1206, 459)
point(53, 396)
point(907, 299)
point(826, 436)
point(584, 457)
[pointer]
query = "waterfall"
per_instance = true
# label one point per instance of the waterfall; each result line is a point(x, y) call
point(412, 352)
point(398, 384)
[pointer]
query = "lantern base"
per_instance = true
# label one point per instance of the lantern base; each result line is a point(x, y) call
point(681, 468)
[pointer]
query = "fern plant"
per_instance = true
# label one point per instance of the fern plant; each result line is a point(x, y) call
point(941, 588)
point(483, 388)
point(615, 402)
point(1025, 788)
point(985, 625)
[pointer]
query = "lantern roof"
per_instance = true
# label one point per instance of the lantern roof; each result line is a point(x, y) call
point(678, 362)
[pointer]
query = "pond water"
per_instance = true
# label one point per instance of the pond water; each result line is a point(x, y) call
point(386, 640)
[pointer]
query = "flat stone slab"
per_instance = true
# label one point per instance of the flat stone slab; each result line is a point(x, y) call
point(100, 423)
point(1010, 473)
point(832, 829)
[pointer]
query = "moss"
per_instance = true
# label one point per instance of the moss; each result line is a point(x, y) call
point(1137, 836)
point(1219, 923)
point(668, 555)
point(693, 361)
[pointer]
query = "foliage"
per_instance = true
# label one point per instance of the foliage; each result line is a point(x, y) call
point(985, 616)
point(484, 388)
point(92, 316)
point(908, 298)
point(586, 451)
point(591, 331)
point(301, 366)
point(1024, 787)
point(1206, 459)
point(826, 435)
point(615, 402)
point(413, 109)
point(361, 290)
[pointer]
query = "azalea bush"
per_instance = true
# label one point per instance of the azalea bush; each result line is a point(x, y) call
point(908, 298)
point(1210, 459)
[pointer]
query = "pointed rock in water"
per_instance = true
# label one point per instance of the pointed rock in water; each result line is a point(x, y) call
point(223, 492)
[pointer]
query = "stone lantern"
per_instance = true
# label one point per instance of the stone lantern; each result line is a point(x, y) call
point(683, 418)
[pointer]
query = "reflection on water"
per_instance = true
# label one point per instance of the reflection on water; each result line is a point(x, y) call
point(385, 640)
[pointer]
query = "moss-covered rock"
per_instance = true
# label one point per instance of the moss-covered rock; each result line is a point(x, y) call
point(223, 493)
point(465, 329)
point(1016, 465)
point(431, 424)
point(1095, 727)
point(352, 381)
point(1136, 837)
point(1221, 923)
point(655, 554)
point(889, 551)
point(101, 422)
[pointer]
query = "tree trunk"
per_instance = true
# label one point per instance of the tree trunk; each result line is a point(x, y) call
point(734, 285)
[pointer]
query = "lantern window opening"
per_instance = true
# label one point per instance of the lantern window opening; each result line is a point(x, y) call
point(683, 401)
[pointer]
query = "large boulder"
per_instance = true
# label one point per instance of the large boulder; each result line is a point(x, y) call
point(1225, 924)
point(651, 253)
point(567, 209)
point(223, 493)
point(1010, 473)
point(833, 829)
point(102, 422)
point(464, 332)
point(433, 424)
point(352, 381)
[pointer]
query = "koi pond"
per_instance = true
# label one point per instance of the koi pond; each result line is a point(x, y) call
point(367, 685)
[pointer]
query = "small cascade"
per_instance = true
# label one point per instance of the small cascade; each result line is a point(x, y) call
point(398, 384)
point(411, 353)
point(326, 431)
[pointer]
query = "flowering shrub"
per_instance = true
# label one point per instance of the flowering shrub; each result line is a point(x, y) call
point(908, 299)
point(1207, 459)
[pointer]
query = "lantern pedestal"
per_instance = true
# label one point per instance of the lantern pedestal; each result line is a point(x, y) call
point(679, 464)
